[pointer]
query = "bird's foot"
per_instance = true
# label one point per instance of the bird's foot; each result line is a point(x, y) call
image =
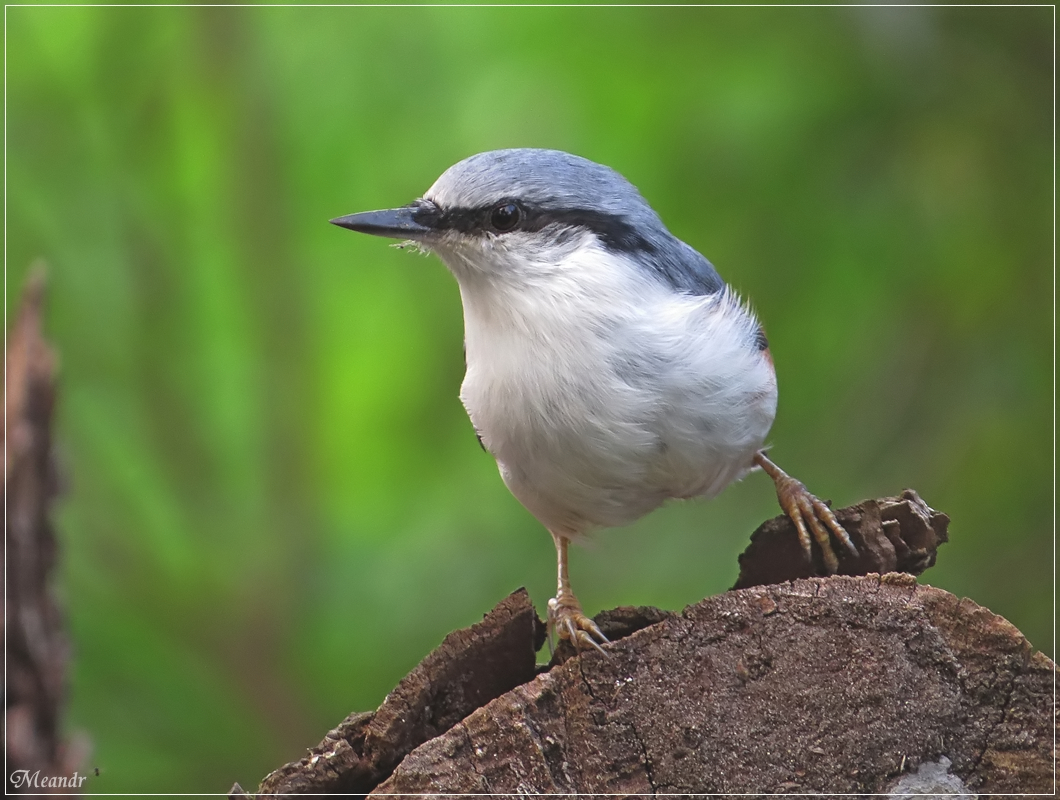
point(565, 616)
point(806, 510)
point(808, 513)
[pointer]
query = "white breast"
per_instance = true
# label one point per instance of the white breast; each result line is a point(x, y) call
point(601, 393)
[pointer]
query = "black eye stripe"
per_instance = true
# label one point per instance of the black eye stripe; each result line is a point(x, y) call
point(613, 230)
point(673, 261)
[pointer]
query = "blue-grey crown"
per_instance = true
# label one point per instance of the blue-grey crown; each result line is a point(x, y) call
point(549, 178)
point(556, 188)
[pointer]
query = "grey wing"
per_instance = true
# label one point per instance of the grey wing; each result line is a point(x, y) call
point(685, 269)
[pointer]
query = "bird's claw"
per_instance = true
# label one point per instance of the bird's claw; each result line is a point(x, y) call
point(804, 509)
point(566, 617)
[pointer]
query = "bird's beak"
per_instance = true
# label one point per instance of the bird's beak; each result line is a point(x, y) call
point(409, 222)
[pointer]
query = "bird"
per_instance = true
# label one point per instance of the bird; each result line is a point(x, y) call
point(609, 368)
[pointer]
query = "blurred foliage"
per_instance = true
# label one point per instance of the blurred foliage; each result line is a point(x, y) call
point(276, 504)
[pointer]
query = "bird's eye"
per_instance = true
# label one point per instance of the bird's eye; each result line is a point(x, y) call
point(505, 217)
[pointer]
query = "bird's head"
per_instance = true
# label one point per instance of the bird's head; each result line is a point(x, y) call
point(506, 212)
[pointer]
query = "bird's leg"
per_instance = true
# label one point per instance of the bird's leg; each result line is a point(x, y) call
point(805, 509)
point(565, 613)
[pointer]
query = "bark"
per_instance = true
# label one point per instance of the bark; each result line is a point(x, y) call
point(892, 534)
point(853, 684)
point(471, 667)
point(37, 645)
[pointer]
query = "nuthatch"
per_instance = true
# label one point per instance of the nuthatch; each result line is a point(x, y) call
point(609, 367)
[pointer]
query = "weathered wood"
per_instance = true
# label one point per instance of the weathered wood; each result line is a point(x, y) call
point(892, 534)
point(821, 685)
point(471, 667)
point(841, 684)
point(37, 644)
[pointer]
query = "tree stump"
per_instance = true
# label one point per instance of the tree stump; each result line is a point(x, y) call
point(846, 684)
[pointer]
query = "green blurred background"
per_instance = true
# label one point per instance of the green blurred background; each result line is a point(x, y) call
point(276, 504)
